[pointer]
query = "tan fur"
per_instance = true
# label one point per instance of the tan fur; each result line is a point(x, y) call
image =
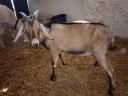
point(79, 39)
point(82, 39)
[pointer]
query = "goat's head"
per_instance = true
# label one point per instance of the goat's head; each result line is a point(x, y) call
point(32, 28)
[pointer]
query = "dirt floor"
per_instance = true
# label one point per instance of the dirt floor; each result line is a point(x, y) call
point(25, 71)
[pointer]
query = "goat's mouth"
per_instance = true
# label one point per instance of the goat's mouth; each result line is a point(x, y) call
point(35, 43)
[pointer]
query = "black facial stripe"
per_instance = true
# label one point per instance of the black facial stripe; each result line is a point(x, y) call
point(27, 35)
point(33, 35)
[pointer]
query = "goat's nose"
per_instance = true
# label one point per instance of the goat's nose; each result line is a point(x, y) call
point(35, 43)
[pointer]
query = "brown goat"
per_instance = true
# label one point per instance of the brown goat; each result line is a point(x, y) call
point(75, 38)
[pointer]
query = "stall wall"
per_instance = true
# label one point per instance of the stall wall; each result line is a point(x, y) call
point(113, 13)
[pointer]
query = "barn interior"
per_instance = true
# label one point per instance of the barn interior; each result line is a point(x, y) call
point(25, 71)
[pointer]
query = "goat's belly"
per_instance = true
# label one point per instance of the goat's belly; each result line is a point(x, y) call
point(87, 53)
point(76, 49)
point(79, 52)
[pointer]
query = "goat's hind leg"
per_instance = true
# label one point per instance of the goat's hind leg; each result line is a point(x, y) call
point(101, 58)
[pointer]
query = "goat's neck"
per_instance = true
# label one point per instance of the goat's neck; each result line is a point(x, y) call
point(47, 43)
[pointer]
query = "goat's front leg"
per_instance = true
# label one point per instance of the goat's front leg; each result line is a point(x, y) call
point(62, 59)
point(55, 57)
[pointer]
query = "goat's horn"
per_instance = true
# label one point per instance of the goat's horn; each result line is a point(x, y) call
point(20, 33)
point(24, 16)
point(44, 30)
point(35, 14)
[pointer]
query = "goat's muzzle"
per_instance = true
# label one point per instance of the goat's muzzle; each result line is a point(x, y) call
point(35, 43)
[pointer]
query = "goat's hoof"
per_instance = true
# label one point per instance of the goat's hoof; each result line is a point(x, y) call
point(53, 78)
point(110, 93)
point(61, 66)
point(96, 63)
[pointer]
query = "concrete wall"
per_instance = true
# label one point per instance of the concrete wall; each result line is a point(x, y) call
point(113, 13)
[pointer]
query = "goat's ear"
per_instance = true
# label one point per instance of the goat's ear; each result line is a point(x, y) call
point(24, 16)
point(35, 15)
point(45, 32)
point(19, 34)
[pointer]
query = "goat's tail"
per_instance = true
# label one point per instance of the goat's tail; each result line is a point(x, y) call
point(111, 38)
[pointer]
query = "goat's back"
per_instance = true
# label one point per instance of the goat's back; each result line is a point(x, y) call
point(78, 37)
